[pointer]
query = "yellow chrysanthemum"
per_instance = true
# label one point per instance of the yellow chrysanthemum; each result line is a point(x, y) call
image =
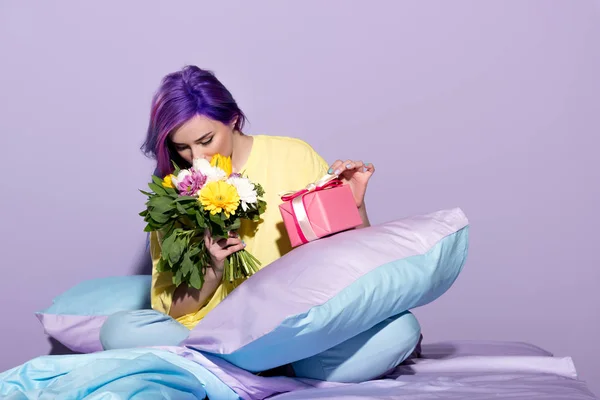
point(222, 162)
point(168, 181)
point(219, 196)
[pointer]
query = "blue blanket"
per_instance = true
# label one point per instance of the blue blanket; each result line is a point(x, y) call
point(116, 374)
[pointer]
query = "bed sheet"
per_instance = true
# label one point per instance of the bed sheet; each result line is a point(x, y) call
point(450, 370)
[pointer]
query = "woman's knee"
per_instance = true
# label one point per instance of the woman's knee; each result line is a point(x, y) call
point(138, 328)
point(366, 356)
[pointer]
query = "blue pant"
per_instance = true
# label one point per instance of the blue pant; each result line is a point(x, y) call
point(366, 356)
point(141, 328)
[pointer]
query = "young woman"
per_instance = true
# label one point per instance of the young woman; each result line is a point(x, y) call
point(194, 116)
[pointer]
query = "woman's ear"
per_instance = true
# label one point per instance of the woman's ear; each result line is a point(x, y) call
point(233, 122)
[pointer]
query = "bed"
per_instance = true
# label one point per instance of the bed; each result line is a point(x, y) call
point(450, 370)
point(469, 370)
point(283, 315)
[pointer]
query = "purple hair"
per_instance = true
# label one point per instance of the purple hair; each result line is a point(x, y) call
point(181, 96)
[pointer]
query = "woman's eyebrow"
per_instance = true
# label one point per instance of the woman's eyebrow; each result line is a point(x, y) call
point(197, 140)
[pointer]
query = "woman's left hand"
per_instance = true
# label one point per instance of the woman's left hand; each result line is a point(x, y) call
point(356, 174)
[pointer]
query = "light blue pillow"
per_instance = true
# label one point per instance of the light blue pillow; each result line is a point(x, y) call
point(76, 316)
point(330, 290)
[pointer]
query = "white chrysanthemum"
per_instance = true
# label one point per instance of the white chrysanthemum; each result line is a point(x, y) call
point(245, 190)
point(181, 176)
point(211, 173)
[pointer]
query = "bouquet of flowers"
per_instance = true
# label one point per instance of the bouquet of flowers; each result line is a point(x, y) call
point(183, 205)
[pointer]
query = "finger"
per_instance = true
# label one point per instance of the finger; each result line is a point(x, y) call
point(335, 168)
point(347, 169)
point(226, 252)
point(224, 243)
point(353, 165)
point(369, 168)
point(208, 237)
point(232, 249)
point(207, 241)
point(339, 166)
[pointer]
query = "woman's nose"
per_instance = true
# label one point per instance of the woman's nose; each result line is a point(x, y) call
point(197, 153)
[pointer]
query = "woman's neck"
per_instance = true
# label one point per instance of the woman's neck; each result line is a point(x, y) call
point(242, 146)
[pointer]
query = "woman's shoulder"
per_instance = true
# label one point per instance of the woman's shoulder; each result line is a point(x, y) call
point(292, 156)
point(285, 145)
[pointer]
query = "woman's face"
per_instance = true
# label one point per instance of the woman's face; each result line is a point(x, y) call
point(202, 137)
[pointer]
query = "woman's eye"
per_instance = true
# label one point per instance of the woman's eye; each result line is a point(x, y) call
point(207, 141)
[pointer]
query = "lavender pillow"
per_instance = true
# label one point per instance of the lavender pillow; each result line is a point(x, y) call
point(75, 316)
point(329, 290)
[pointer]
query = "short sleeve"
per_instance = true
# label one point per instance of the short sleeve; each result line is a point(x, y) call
point(319, 165)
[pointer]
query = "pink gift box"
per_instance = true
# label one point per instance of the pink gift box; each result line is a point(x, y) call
point(319, 213)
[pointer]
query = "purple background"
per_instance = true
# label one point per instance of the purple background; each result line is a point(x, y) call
point(490, 106)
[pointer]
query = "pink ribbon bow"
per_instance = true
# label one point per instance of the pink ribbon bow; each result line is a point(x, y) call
point(326, 182)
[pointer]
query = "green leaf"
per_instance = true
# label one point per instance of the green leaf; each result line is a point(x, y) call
point(168, 227)
point(186, 265)
point(200, 220)
point(160, 266)
point(176, 250)
point(194, 251)
point(160, 204)
point(216, 218)
point(217, 231)
point(196, 279)
point(262, 206)
point(181, 209)
point(178, 278)
point(260, 192)
point(176, 168)
point(171, 192)
point(158, 189)
point(185, 199)
point(166, 245)
point(157, 180)
point(235, 225)
point(159, 217)
point(185, 222)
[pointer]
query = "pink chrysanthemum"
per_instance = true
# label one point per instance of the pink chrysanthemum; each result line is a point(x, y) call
point(191, 183)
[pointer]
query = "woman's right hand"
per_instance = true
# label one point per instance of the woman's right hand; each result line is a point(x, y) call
point(187, 300)
point(219, 250)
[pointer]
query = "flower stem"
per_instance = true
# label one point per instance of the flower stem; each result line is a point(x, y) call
point(241, 264)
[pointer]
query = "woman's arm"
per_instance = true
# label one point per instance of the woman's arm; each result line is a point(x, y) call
point(362, 210)
point(188, 300)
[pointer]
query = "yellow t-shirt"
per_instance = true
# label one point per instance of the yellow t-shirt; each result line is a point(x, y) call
point(279, 164)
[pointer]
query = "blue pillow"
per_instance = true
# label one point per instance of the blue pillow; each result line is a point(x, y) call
point(76, 316)
point(330, 290)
